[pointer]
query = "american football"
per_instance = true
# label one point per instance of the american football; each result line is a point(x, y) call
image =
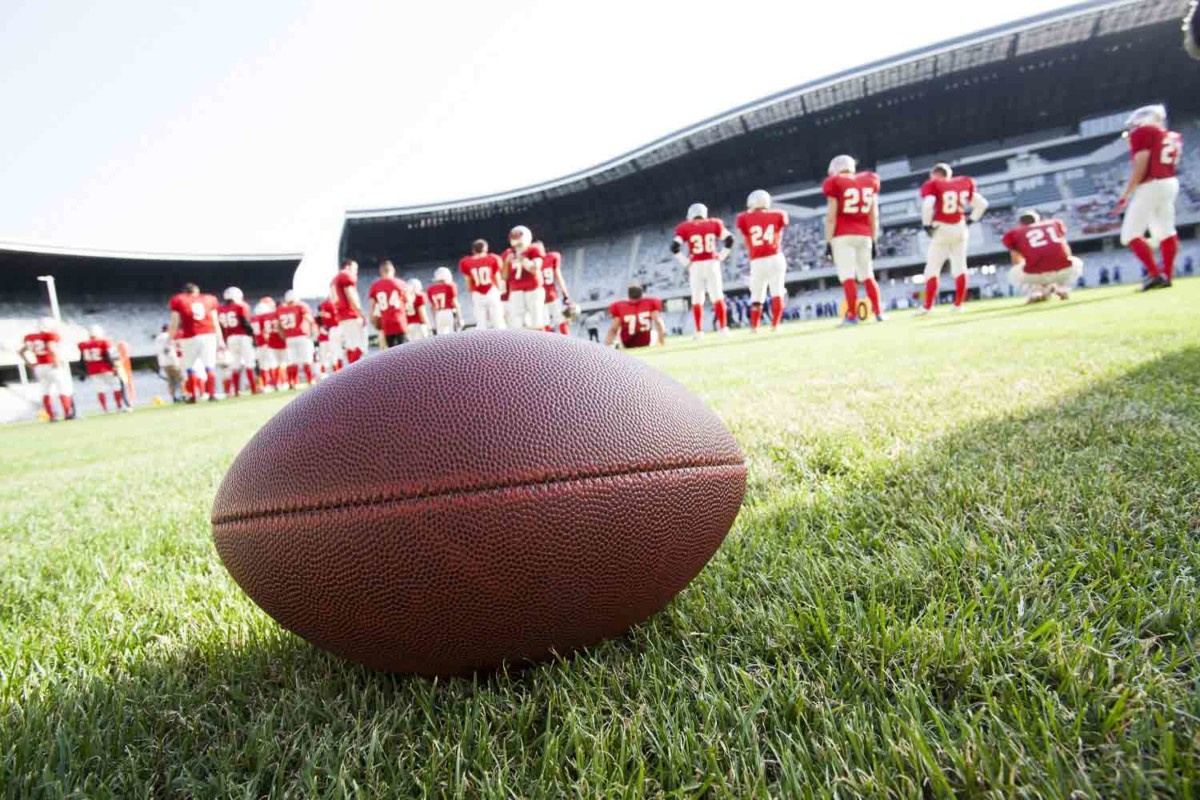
point(543, 400)
point(520, 532)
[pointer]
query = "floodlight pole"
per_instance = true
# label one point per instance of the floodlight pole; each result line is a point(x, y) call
point(53, 293)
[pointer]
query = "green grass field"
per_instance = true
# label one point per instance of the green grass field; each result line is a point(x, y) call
point(967, 564)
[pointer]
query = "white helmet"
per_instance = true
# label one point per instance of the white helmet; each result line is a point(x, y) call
point(45, 324)
point(697, 211)
point(842, 163)
point(443, 274)
point(289, 296)
point(1147, 115)
point(415, 285)
point(759, 198)
point(520, 237)
point(263, 307)
point(1030, 212)
point(96, 332)
point(233, 294)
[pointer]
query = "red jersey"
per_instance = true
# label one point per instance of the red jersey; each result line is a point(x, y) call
point(700, 238)
point(43, 345)
point(94, 353)
point(338, 287)
point(1043, 245)
point(551, 265)
point(763, 231)
point(267, 331)
point(521, 279)
point(256, 325)
point(292, 319)
point(442, 296)
point(855, 196)
point(390, 296)
point(635, 316)
point(413, 303)
point(195, 314)
point(483, 272)
point(234, 319)
point(1164, 146)
point(951, 197)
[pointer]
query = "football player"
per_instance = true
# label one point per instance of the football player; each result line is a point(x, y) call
point(552, 281)
point(343, 291)
point(388, 298)
point(852, 230)
point(443, 296)
point(329, 348)
point(637, 321)
point(101, 366)
point(416, 311)
point(296, 324)
point(277, 343)
point(234, 317)
point(523, 277)
point(483, 271)
point(701, 244)
point(944, 202)
point(1042, 260)
point(1151, 193)
point(43, 349)
point(194, 323)
point(762, 232)
point(265, 325)
point(166, 351)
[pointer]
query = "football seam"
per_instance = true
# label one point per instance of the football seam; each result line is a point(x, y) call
point(433, 495)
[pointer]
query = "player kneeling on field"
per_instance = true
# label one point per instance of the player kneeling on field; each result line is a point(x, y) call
point(1042, 259)
point(443, 296)
point(636, 320)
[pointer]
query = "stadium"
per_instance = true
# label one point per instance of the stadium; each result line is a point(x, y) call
point(960, 558)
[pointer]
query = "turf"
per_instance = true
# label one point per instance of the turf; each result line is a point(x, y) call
point(967, 565)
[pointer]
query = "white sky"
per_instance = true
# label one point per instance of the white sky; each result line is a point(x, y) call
point(221, 126)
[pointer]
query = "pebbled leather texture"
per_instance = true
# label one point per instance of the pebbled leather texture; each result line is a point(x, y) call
point(464, 501)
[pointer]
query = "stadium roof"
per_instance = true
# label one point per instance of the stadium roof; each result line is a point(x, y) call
point(1049, 70)
point(84, 272)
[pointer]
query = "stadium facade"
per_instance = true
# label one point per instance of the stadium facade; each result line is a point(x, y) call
point(1055, 84)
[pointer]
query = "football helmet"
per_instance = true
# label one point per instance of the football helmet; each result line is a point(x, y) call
point(842, 163)
point(96, 332)
point(697, 211)
point(443, 274)
point(1030, 214)
point(45, 324)
point(233, 294)
point(289, 296)
point(759, 199)
point(1147, 115)
point(520, 238)
point(415, 285)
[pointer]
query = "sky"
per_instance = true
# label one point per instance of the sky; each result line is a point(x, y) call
point(249, 127)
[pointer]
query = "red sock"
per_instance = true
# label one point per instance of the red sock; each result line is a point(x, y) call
point(960, 289)
point(873, 295)
point(279, 376)
point(755, 315)
point(776, 311)
point(210, 384)
point(1169, 248)
point(308, 374)
point(353, 355)
point(293, 372)
point(564, 329)
point(236, 382)
point(48, 405)
point(698, 316)
point(719, 308)
point(251, 382)
point(227, 386)
point(103, 402)
point(1141, 249)
point(194, 387)
point(337, 365)
point(851, 289)
point(119, 396)
point(68, 407)
point(931, 290)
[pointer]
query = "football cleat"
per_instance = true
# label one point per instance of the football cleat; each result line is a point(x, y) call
point(848, 323)
point(697, 211)
point(759, 199)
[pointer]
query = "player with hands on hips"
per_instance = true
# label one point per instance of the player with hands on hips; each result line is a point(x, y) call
point(852, 230)
point(1149, 197)
point(701, 244)
point(762, 232)
point(945, 199)
point(43, 348)
point(443, 296)
point(96, 352)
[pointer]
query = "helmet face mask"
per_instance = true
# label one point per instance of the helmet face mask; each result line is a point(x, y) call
point(697, 211)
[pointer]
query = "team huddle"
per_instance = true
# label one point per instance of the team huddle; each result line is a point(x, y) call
point(272, 347)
